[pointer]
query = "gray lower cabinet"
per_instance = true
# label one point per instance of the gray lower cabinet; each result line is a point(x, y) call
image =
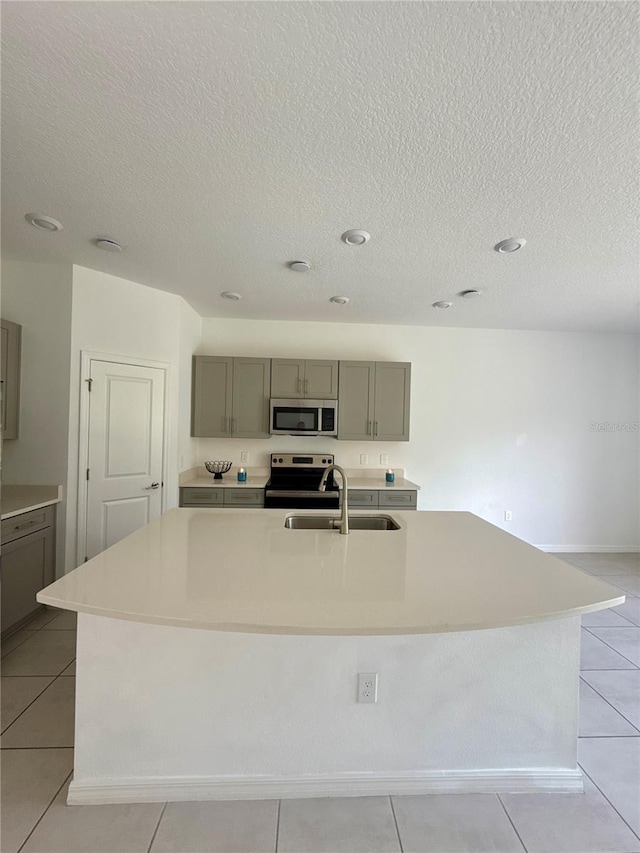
point(210, 496)
point(27, 564)
point(293, 378)
point(362, 498)
point(11, 336)
point(230, 397)
point(382, 498)
point(374, 401)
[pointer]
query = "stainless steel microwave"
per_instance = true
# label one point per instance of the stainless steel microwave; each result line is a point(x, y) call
point(303, 417)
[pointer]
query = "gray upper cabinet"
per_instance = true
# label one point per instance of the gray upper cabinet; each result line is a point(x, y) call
point(392, 396)
point(293, 378)
point(251, 390)
point(10, 378)
point(321, 379)
point(355, 401)
point(211, 396)
point(374, 399)
point(230, 397)
point(287, 377)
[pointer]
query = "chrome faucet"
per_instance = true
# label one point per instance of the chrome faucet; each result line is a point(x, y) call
point(344, 518)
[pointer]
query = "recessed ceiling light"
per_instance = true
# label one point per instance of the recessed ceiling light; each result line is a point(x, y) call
point(442, 304)
point(234, 297)
point(44, 223)
point(107, 244)
point(512, 244)
point(299, 266)
point(471, 294)
point(339, 300)
point(355, 237)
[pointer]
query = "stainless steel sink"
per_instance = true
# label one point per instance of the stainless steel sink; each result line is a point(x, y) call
point(329, 522)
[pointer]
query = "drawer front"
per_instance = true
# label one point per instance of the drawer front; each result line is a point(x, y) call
point(361, 497)
point(27, 522)
point(244, 497)
point(201, 497)
point(409, 500)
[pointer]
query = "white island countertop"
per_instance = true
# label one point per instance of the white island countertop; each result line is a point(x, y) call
point(241, 570)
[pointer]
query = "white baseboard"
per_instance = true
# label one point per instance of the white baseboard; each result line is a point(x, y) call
point(589, 549)
point(181, 788)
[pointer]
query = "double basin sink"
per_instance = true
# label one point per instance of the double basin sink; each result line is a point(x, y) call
point(330, 522)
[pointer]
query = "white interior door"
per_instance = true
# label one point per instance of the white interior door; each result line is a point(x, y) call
point(125, 452)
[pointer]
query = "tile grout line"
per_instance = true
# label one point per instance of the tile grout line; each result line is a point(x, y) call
point(597, 692)
point(55, 678)
point(624, 657)
point(155, 831)
point(608, 800)
point(395, 820)
point(29, 705)
point(506, 811)
point(278, 826)
point(35, 826)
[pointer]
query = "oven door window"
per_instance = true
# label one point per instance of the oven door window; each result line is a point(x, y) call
point(298, 419)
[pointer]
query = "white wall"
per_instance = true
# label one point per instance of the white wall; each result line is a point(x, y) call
point(499, 420)
point(118, 317)
point(38, 297)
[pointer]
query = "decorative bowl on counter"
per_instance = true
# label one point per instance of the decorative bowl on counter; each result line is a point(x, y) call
point(217, 468)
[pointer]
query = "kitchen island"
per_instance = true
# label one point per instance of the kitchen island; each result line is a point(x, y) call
point(218, 655)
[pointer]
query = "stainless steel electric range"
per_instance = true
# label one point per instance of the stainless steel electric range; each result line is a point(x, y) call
point(294, 482)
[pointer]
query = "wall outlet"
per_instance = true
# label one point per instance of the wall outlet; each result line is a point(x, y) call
point(244, 457)
point(384, 459)
point(508, 515)
point(364, 458)
point(368, 687)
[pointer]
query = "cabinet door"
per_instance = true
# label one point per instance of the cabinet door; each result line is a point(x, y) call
point(211, 396)
point(251, 391)
point(355, 400)
point(392, 393)
point(321, 380)
point(287, 377)
point(27, 565)
point(10, 387)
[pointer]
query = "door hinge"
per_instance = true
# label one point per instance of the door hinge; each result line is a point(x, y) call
point(89, 383)
point(87, 473)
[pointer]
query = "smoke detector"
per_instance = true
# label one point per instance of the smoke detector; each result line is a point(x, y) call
point(339, 300)
point(43, 223)
point(299, 266)
point(107, 244)
point(356, 237)
point(512, 244)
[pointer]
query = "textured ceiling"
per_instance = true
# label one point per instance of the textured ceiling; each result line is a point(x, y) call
point(219, 140)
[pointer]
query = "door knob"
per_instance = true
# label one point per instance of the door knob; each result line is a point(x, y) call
point(152, 486)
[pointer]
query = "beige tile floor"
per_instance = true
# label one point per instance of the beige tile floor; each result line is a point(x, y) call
point(37, 758)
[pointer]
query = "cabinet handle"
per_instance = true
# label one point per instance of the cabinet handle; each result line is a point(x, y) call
point(306, 387)
point(299, 385)
point(375, 428)
point(368, 427)
point(233, 425)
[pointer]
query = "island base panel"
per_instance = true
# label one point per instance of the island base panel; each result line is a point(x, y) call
point(167, 713)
